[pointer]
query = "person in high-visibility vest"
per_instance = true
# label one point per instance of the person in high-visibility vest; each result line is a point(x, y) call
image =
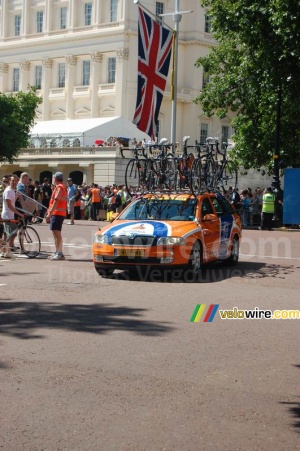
point(268, 208)
point(56, 214)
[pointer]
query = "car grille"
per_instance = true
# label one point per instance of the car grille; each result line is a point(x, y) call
point(140, 240)
point(131, 260)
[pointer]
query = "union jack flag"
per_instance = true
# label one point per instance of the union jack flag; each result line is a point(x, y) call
point(154, 54)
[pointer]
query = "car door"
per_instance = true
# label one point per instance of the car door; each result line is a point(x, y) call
point(225, 226)
point(211, 229)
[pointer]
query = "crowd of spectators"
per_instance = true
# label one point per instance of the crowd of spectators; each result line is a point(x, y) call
point(248, 204)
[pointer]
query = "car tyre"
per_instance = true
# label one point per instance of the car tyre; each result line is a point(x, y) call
point(195, 263)
point(233, 259)
point(103, 272)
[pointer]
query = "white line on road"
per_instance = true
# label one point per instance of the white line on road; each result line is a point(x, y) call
point(269, 256)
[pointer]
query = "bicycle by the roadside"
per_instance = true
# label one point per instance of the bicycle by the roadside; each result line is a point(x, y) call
point(28, 238)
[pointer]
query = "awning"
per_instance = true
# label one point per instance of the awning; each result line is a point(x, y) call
point(87, 130)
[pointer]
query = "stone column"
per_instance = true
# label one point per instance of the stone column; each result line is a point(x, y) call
point(98, 15)
point(46, 85)
point(70, 80)
point(49, 16)
point(3, 77)
point(121, 69)
point(24, 75)
point(94, 82)
point(4, 19)
point(73, 18)
point(25, 20)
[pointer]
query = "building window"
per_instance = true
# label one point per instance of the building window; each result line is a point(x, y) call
point(88, 14)
point(38, 77)
point(113, 10)
point(159, 8)
point(17, 25)
point(111, 70)
point(207, 27)
point(203, 133)
point(16, 79)
point(86, 70)
point(225, 135)
point(63, 17)
point(61, 75)
point(39, 21)
point(205, 79)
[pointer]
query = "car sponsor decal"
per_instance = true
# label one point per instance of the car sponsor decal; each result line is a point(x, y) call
point(133, 229)
point(226, 223)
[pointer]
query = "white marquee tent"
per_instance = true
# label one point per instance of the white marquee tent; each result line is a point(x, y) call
point(87, 131)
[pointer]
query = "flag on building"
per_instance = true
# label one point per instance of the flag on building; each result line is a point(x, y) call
point(154, 54)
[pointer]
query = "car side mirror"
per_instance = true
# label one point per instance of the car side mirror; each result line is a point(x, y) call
point(210, 217)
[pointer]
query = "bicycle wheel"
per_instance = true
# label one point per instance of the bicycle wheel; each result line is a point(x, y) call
point(229, 176)
point(197, 183)
point(209, 174)
point(166, 173)
point(30, 242)
point(134, 176)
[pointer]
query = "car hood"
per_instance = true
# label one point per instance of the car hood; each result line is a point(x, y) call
point(149, 228)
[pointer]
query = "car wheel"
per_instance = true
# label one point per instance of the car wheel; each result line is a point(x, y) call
point(195, 263)
point(233, 259)
point(104, 272)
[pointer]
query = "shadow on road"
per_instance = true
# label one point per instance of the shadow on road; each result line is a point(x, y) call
point(216, 272)
point(21, 319)
point(294, 409)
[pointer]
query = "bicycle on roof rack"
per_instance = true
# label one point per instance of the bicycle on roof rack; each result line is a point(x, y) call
point(184, 164)
point(209, 172)
point(148, 173)
point(29, 240)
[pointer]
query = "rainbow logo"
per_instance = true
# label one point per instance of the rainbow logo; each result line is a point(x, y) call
point(199, 310)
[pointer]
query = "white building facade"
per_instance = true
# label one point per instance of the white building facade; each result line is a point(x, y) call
point(82, 56)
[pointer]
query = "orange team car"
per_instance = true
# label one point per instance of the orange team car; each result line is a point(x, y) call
point(169, 231)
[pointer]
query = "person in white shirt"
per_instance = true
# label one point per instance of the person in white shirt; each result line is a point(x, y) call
point(9, 211)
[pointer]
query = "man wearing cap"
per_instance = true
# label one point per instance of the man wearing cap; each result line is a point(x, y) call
point(72, 190)
point(56, 214)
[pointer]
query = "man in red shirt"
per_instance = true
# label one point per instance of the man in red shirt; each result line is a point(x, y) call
point(56, 214)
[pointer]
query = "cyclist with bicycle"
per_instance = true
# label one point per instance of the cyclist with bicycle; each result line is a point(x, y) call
point(8, 213)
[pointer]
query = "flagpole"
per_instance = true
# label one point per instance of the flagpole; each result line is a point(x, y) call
point(177, 15)
point(177, 19)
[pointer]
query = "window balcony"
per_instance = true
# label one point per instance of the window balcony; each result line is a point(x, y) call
point(57, 93)
point(106, 88)
point(81, 91)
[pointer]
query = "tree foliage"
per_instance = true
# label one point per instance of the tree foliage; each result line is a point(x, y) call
point(254, 69)
point(17, 114)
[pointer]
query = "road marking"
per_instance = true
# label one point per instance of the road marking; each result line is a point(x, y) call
point(81, 246)
point(269, 256)
point(2, 284)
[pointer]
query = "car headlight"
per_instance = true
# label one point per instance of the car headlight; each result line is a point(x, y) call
point(100, 239)
point(170, 240)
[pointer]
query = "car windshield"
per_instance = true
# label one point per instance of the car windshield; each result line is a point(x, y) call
point(166, 209)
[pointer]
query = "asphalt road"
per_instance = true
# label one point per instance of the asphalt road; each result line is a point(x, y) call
point(115, 364)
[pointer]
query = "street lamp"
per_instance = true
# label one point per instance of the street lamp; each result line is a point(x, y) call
point(177, 15)
point(276, 157)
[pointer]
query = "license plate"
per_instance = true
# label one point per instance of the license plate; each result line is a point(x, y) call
point(130, 252)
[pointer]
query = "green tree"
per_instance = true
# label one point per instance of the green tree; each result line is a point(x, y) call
point(17, 114)
point(254, 69)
